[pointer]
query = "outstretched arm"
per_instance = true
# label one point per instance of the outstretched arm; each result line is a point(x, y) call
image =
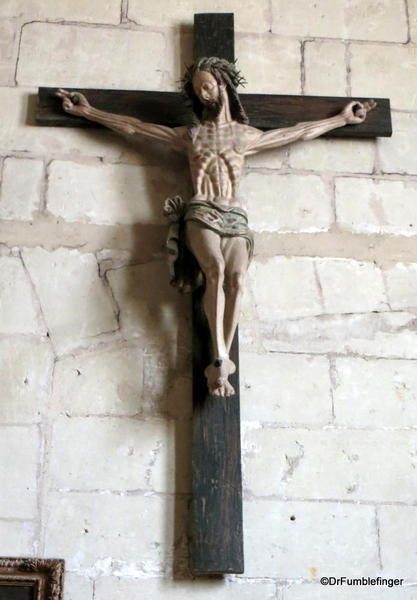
point(77, 104)
point(353, 113)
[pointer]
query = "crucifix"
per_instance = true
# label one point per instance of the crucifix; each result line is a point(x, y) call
point(213, 229)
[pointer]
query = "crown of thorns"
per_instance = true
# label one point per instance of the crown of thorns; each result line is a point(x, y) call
point(213, 65)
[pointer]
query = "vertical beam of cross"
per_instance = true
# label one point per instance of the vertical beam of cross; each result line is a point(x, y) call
point(217, 532)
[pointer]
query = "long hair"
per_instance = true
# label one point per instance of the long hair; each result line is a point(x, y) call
point(224, 72)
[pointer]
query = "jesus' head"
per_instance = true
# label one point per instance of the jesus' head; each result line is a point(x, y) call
point(206, 81)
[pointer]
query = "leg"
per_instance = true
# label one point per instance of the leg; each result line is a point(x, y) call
point(206, 247)
point(235, 252)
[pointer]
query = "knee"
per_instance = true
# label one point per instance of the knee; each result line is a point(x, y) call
point(214, 271)
point(236, 281)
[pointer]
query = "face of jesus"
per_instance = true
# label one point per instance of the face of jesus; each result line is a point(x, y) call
point(208, 92)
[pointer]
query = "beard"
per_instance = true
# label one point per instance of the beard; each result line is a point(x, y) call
point(212, 109)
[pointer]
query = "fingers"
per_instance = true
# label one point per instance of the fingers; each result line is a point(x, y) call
point(62, 93)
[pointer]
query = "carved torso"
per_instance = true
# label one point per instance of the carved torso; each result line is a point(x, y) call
point(216, 156)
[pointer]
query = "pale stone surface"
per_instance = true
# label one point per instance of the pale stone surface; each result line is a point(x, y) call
point(17, 537)
point(383, 20)
point(315, 591)
point(128, 535)
point(373, 334)
point(294, 388)
point(18, 303)
point(401, 64)
point(25, 375)
point(325, 71)
point(72, 10)
point(331, 464)
point(20, 188)
point(19, 456)
point(119, 454)
point(402, 285)
point(375, 393)
point(16, 136)
point(75, 303)
point(111, 194)
point(376, 206)
point(167, 387)
point(200, 589)
point(349, 286)
point(349, 156)
point(251, 16)
point(77, 587)
point(396, 153)
point(267, 159)
point(8, 50)
point(100, 382)
point(315, 543)
point(287, 202)
point(271, 65)
point(149, 307)
point(412, 12)
point(109, 47)
point(285, 287)
point(397, 531)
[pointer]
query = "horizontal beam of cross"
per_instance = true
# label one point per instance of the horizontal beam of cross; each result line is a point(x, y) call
point(265, 111)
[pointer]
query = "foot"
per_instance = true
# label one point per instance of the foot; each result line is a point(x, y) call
point(217, 374)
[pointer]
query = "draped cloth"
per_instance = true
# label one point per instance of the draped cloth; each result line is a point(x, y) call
point(226, 221)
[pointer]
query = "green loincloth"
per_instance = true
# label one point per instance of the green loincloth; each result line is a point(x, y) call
point(227, 221)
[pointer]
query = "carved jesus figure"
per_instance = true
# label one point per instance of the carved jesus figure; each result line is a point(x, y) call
point(215, 222)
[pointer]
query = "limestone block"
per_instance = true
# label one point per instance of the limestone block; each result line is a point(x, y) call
point(315, 541)
point(267, 159)
point(167, 387)
point(118, 454)
point(78, 587)
point(376, 206)
point(271, 65)
point(111, 194)
point(375, 393)
point(149, 307)
point(399, 61)
point(287, 202)
point(331, 464)
point(389, 334)
point(200, 589)
point(251, 16)
point(402, 285)
point(17, 537)
point(108, 49)
point(350, 286)
point(351, 156)
point(315, 591)
point(25, 375)
point(285, 287)
point(105, 534)
point(383, 20)
point(75, 303)
point(20, 188)
point(19, 456)
point(396, 154)
point(8, 49)
point(412, 12)
point(293, 388)
point(325, 69)
point(72, 10)
point(18, 304)
point(15, 135)
point(397, 531)
point(100, 382)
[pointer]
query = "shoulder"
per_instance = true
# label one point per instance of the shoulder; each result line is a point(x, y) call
point(247, 135)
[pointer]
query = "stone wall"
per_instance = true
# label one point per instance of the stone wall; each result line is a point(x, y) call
point(95, 346)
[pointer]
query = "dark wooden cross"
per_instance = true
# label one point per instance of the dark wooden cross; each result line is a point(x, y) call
point(217, 532)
